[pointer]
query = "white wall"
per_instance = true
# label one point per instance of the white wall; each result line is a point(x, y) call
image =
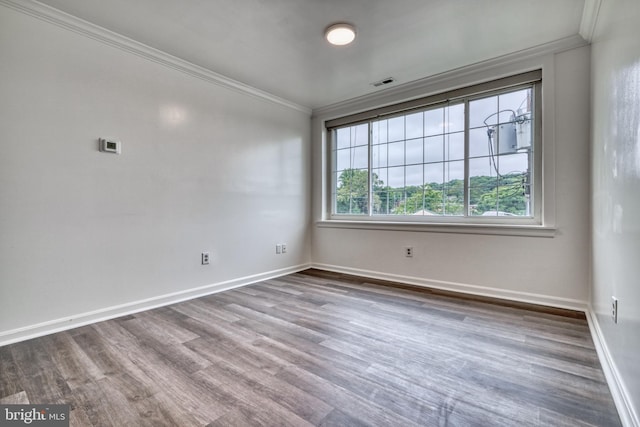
point(616, 187)
point(203, 167)
point(546, 270)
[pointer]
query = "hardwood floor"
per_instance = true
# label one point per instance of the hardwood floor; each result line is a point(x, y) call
point(324, 349)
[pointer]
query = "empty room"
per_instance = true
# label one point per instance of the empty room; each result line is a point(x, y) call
point(320, 213)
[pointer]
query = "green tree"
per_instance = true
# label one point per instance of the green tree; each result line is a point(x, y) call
point(507, 198)
point(352, 195)
point(420, 198)
point(480, 185)
point(454, 197)
point(487, 193)
point(503, 193)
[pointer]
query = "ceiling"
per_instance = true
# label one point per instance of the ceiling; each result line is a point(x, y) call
point(278, 46)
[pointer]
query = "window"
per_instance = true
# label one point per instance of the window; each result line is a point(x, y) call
point(466, 155)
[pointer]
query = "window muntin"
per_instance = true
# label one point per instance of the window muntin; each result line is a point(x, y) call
point(469, 158)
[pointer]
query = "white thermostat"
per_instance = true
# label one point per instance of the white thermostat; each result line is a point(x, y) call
point(110, 145)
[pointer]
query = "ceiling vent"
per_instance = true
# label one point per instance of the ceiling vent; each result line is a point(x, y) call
point(384, 82)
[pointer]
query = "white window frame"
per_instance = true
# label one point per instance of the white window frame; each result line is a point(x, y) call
point(448, 223)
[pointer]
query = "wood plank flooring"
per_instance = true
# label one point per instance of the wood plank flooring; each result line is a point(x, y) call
point(320, 349)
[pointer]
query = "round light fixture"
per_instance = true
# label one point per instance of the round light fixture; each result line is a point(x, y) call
point(340, 34)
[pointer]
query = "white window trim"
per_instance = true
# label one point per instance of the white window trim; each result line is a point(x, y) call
point(492, 88)
point(542, 58)
point(500, 229)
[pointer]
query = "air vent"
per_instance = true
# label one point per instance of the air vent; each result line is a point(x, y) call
point(384, 82)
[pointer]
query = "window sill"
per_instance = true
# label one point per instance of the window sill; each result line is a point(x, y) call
point(490, 229)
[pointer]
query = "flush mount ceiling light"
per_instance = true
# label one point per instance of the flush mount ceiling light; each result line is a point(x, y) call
point(340, 34)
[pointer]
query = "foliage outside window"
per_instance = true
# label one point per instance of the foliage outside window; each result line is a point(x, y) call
point(470, 157)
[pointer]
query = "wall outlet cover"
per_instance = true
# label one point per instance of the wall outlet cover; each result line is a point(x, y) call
point(205, 258)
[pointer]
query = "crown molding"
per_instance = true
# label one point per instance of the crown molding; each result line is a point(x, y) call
point(590, 14)
point(102, 35)
point(425, 85)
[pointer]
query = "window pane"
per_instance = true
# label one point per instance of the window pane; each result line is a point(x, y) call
point(513, 164)
point(414, 176)
point(414, 202)
point(482, 166)
point(506, 116)
point(343, 159)
point(454, 197)
point(396, 177)
point(434, 174)
point(396, 201)
point(360, 134)
point(504, 138)
point(352, 195)
point(360, 157)
point(454, 146)
point(512, 192)
point(380, 192)
point(379, 155)
point(352, 136)
point(483, 183)
point(455, 118)
point(453, 188)
point(414, 151)
point(396, 190)
point(517, 102)
point(511, 196)
point(478, 142)
point(414, 125)
point(481, 110)
point(453, 170)
point(396, 154)
point(352, 158)
point(418, 163)
point(434, 149)
point(433, 200)
point(434, 121)
point(343, 138)
point(396, 129)
point(381, 201)
point(380, 177)
point(522, 102)
point(379, 132)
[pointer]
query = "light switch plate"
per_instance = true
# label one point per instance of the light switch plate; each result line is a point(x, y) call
point(110, 145)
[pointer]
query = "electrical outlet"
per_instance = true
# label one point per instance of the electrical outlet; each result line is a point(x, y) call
point(408, 251)
point(205, 258)
point(614, 309)
point(284, 248)
point(278, 249)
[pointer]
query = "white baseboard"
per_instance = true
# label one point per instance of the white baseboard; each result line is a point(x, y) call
point(628, 415)
point(619, 392)
point(531, 298)
point(81, 319)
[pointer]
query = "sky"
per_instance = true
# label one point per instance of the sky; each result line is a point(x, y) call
point(431, 143)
